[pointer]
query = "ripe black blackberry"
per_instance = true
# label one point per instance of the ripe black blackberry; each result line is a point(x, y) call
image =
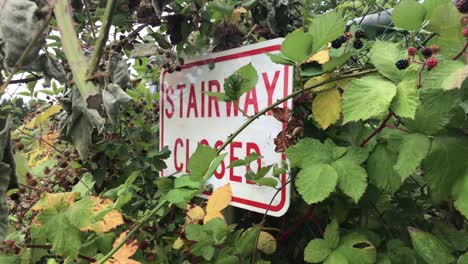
point(357, 44)
point(359, 34)
point(426, 52)
point(402, 64)
point(462, 6)
point(336, 44)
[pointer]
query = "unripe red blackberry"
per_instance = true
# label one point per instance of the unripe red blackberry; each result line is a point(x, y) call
point(150, 257)
point(28, 175)
point(32, 182)
point(9, 243)
point(19, 146)
point(357, 44)
point(46, 170)
point(359, 34)
point(402, 64)
point(465, 32)
point(462, 6)
point(426, 52)
point(155, 104)
point(431, 63)
point(412, 51)
point(144, 244)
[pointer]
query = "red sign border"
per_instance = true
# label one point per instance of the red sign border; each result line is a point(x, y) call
point(273, 208)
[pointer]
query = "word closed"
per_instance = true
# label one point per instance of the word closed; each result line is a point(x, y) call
point(190, 117)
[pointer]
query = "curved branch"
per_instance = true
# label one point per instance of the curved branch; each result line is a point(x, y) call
point(280, 101)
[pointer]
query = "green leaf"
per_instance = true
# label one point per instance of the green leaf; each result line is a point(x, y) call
point(246, 242)
point(271, 182)
point(336, 258)
point(366, 98)
point(200, 161)
point(297, 46)
point(316, 182)
point(220, 96)
point(245, 162)
point(406, 100)
point(64, 237)
point(461, 195)
point(357, 249)
point(186, 181)
point(434, 111)
point(380, 169)
point(445, 164)
point(324, 29)
point(450, 236)
point(279, 59)
point(86, 185)
point(180, 196)
point(413, 150)
point(336, 62)
point(308, 151)
point(430, 5)
point(447, 76)
point(408, 14)
point(316, 251)
point(213, 166)
point(352, 178)
point(431, 249)
point(241, 81)
point(384, 55)
point(332, 235)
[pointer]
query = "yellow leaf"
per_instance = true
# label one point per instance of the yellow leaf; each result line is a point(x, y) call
point(343, 84)
point(320, 57)
point(40, 118)
point(266, 243)
point(122, 256)
point(212, 215)
point(178, 243)
point(236, 15)
point(220, 199)
point(194, 215)
point(319, 79)
point(52, 200)
point(111, 219)
point(326, 107)
point(44, 150)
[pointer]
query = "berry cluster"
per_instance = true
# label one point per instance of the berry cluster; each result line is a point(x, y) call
point(357, 42)
point(430, 61)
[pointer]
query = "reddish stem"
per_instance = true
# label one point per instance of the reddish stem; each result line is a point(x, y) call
point(299, 222)
point(377, 130)
point(461, 52)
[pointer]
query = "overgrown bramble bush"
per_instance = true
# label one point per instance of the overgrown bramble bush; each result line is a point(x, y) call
point(376, 141)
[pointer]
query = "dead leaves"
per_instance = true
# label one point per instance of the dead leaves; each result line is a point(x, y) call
point(287, 136)
point(111, 219)
point(123, 255)
point(218, 200)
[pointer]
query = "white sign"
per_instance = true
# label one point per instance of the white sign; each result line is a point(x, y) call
point(189, 117)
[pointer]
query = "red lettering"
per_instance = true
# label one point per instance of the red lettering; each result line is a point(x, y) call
point(204, 142)
point(202, 99)
point(181, 166)
point(229, 106)
point(270, 88)
point(232, 158)
point(212, 100)
point(251, 99)
point(219, 174)
point(187, 149)
point(169, 90)
point(192, 102)
point(181, 88)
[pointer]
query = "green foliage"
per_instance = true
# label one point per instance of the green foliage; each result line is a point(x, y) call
point(409, 15)
point(381, 149)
